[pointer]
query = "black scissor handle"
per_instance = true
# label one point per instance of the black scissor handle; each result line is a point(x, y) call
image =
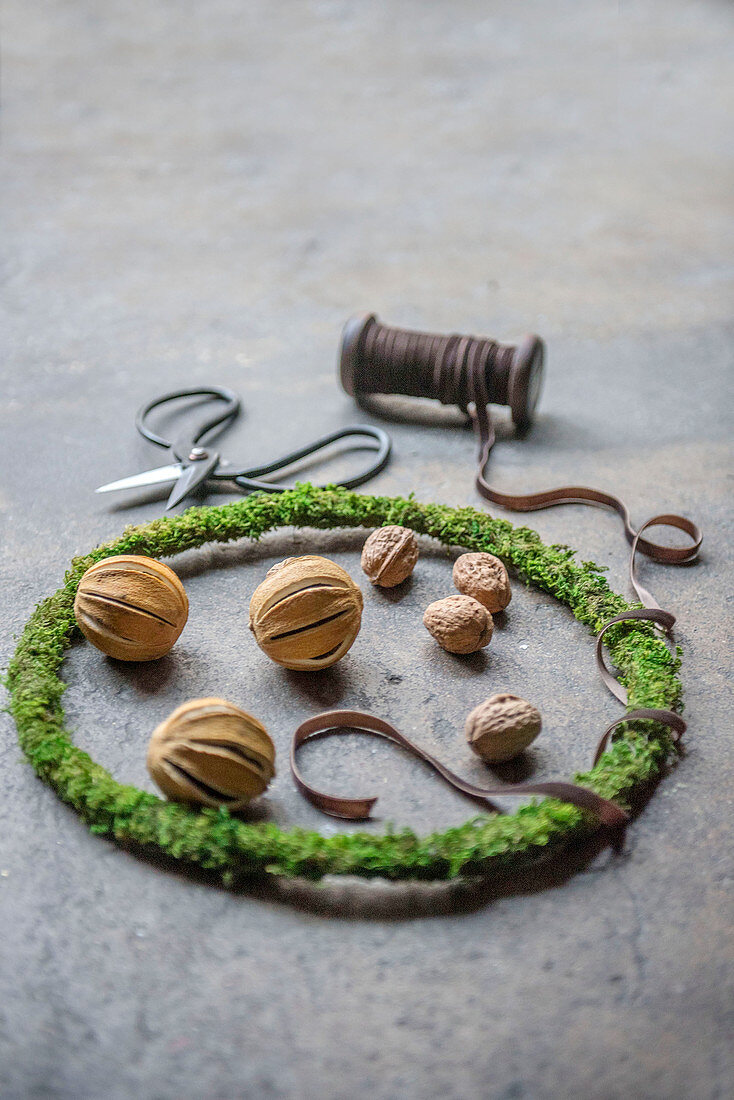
point(228, 412)
point(249, 479)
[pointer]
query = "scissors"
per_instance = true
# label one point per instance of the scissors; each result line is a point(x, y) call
point(194, 461)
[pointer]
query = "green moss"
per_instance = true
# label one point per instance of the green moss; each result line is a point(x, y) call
point(214, 839)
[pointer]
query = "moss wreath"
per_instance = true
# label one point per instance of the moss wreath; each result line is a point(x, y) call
point(214, 839)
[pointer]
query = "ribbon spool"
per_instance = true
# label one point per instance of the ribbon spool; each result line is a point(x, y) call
point(377, 358)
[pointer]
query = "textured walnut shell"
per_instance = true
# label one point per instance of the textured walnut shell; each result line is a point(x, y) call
point(485, 578)
point(306, 613)
point(501, 727)
point(130, 607)
point(389, 555)
point(459, 624)
point(212, 753)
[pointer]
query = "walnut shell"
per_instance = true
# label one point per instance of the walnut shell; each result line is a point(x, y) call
point(389, 555)
point(485, 578)
point(210, 752)
point(132, 608)
point(459, 623)
point(501, 727)
point(306, 613)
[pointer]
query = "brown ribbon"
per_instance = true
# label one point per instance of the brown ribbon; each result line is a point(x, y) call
point(579, 494)
point(668, 718)
point(336, 721)
point(650, 614)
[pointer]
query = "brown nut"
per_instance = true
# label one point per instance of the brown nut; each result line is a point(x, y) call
point(501, 727)
point(210, 752)
point(131, 608)
point(459, 623)
point(306, 613)
point(389, 555)
point(485, 578)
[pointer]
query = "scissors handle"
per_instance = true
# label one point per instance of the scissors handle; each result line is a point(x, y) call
point(199, 465)
point(183, 444)
point(250, 479)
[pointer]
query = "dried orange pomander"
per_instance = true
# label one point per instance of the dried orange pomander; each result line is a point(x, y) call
point(306, 613)
point(213, 753)
point(131, 608)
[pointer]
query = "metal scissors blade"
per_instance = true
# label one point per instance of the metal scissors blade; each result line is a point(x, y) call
point(185, 477)
point(194, 473)
point(195, 463)
point(160, 476)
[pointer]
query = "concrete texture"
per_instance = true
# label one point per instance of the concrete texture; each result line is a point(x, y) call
point(197, 193)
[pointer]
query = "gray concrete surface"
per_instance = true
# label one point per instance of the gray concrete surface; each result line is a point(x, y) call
point(205, 192)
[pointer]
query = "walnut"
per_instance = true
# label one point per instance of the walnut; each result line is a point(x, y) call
point(210, 752)
point(306, 613)
point(130, 607)
point(389, 555)
point(459, 623)
point(501, 727)
point(485, 578)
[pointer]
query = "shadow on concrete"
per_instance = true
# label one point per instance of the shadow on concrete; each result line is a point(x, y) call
point(355, 899)
point(287, 542)
point(548, 429)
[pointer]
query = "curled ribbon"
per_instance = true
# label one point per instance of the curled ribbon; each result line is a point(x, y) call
point(336, 721)
point(579, 494)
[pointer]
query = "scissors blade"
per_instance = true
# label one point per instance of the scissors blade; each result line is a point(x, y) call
point(160, 476)
point(192, 475)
